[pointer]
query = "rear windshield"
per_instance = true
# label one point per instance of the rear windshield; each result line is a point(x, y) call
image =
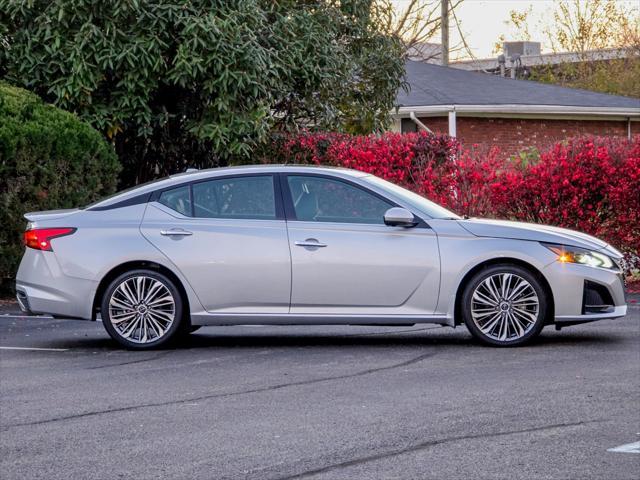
point(122, 192)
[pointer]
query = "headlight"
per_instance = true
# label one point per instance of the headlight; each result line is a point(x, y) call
point(582, 256)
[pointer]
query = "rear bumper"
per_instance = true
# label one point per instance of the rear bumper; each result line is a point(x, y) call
point(42, 287)
point(23, 301)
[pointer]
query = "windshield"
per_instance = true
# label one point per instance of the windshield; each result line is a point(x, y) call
point(413, 199)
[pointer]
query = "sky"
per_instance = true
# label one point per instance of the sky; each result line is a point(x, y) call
point(483, 21)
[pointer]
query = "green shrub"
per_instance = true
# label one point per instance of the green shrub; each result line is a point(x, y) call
point(49, 159)
point(201, 83)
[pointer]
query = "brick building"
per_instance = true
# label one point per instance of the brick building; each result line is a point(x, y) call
point(511, 114)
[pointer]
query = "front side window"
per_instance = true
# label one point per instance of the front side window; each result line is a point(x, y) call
point(236, 197)
point(413, 199)
point(177, 199)
point(318, 199)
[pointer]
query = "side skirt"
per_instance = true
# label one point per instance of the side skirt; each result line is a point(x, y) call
point(311, 319)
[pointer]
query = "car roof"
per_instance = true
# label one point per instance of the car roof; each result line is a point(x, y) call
point(196, 175)
point(247, 169)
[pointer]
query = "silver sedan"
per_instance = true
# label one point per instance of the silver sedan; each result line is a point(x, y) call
point(306, 245)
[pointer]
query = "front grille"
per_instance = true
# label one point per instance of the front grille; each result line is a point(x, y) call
point(596, 298)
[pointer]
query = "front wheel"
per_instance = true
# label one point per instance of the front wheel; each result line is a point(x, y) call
point(142, 309)
point(504, 305)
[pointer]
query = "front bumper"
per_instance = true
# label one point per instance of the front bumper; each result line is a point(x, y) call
point(571, 285)
point(616, 312)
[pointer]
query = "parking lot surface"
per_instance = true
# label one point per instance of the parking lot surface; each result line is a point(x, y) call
point(422, 402)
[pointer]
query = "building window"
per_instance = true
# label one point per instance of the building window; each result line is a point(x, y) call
point(407, 125)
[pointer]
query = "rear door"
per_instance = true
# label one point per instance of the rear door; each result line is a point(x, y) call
point(345, 260)
point(228, 237)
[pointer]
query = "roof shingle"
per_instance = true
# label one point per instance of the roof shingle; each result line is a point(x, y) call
point(436, 85)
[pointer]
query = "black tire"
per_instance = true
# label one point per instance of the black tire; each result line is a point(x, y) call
point(515, 316)
point(168, 335)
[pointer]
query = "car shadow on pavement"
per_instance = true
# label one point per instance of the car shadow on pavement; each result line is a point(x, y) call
point(209, 338)
point(459, 338)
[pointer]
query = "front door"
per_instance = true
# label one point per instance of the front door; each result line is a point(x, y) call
point(345, 260)
point(228, 237)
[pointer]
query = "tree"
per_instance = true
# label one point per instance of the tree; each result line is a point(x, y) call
point(582, 26)
point(519, 22)
point(201, 83)
point(416, 22)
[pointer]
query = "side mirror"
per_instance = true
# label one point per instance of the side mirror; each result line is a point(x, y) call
point(399, 217)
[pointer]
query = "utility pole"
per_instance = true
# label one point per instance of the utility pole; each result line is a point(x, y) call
point(444, 29)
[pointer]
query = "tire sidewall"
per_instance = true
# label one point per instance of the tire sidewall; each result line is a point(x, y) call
point(497, 269)
point(175, 326)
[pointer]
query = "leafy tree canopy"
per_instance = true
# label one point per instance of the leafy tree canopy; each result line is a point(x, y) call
point(201, 83)
point(584, 26)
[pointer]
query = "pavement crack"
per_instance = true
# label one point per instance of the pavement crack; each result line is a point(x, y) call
point(426, 445)
point(270, 388)
point(131, 362)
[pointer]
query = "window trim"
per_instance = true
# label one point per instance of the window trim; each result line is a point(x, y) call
point(173, 209)
point(289, 208)
point(136, 200)
point(277, 196)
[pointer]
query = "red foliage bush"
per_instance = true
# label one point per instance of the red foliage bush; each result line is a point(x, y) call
point(589, 184)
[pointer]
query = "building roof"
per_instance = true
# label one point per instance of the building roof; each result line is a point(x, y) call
point(433, 88)
point(561, 58)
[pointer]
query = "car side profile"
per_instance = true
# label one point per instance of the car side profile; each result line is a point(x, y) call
point(303, 245)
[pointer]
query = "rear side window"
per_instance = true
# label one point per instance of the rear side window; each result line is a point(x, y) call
point(237, 197)
point(177, 199)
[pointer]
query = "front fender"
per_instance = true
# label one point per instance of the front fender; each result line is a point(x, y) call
point(461, 256)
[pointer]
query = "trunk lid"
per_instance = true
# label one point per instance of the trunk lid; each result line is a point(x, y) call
point(49, 214)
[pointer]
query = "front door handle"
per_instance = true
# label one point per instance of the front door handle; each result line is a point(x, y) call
point(310, 242)
point(175, 232)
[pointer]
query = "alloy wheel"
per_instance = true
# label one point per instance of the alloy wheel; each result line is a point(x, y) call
point(142, 309)
point(505, 307)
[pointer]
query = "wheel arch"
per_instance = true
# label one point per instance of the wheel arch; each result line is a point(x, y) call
point(134, 265)
point(503, 261)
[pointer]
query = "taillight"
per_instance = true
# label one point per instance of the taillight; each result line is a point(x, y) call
point(40, 238)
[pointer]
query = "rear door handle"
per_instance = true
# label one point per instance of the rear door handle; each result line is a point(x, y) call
point(175, 232)
point(310, 242)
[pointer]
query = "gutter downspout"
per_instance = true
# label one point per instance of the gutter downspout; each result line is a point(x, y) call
point(415, 120)
point(628, 128)
point(452, 122)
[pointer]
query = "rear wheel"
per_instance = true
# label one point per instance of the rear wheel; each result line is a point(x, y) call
point(142, 309)
point(504, 305)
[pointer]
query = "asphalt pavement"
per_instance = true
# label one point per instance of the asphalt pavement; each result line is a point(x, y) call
point(422, 402)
